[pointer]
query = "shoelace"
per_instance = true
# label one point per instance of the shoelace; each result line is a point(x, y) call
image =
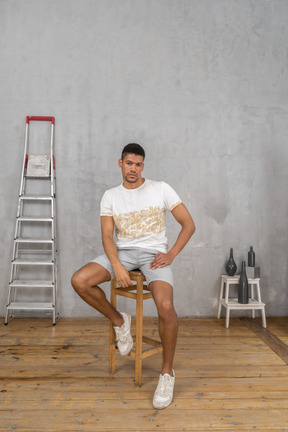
point(120, 335)
point(164, 383)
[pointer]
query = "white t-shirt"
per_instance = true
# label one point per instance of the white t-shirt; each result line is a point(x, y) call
point(139, 214)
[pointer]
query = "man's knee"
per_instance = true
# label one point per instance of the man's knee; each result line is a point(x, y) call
point(163, 297)
point(79, 282)
point(89, 276)
point(166, 309)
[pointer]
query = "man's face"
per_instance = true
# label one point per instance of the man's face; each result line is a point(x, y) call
point(131, 166)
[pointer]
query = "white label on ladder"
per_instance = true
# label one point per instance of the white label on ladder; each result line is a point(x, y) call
point(38, 166)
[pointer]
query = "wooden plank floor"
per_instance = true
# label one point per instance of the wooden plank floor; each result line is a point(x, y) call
point(56, 379)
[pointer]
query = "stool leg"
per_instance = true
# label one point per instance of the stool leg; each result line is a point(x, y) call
point(227, 317)
point(139, 332)
point(263, 308)
point(263, 317)
point(112, 348)
point(227, 287)
point(220, 298)
point(252, 297)
point(258, 291)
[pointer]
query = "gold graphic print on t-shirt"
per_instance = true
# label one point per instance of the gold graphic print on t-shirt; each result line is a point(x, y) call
point(148, 221)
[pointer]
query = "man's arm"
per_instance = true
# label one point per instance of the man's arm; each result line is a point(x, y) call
point(183, 217)
point(121, 274)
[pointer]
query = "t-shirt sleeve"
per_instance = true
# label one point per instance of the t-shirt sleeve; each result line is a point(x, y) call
point(106, 205)
point(171, 198)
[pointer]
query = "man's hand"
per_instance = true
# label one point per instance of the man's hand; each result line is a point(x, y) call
point(161, 260)
point(122, 276)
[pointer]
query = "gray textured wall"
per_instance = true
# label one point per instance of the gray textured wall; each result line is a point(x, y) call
point(201, 84)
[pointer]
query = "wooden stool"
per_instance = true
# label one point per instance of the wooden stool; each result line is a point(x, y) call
point(232, 303)
point(135, 292)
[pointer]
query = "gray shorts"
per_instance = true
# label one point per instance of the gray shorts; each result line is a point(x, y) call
point(138, 258)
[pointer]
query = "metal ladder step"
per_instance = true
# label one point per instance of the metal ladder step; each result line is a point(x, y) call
point(36, 197)
point(35, 251)
point(32, 240)
point(32, 262)
point(32, 284)
point(30, 306)
point(34, 219)
point(46, 177)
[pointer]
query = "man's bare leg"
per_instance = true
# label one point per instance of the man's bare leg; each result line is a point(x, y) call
point(85, 282)
point(168, 323)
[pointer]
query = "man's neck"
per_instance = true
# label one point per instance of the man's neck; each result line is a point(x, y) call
point(128, 185)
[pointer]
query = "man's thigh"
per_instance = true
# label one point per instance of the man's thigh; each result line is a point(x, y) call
point(145, 257)
point(164, 274)
point(127, 257)
point(162, 292)
point(93, 274)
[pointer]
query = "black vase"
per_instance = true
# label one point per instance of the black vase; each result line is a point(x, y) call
point(243, 286)
point(231, 266)
point(251, 257)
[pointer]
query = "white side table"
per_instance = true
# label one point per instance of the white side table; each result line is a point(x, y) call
point(232, 303)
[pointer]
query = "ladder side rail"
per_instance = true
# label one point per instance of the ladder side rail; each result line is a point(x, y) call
point(52, 173)
point(55, 245)
point(17, 233)
point(18, 224)
point(55, 281)
point(54, 220)
point(54, 291)
point(13, 271)
point(54, 284)
point(53, 229)
point(12, 290)
point(22, 183)
point(15, 250)
point(52, 180)
point(15, 253)
point(54, 215)
point(53, 209)
point(22, 192)
point(52, 161)
point(53, 225)
point(9, 294)
point(53, 251)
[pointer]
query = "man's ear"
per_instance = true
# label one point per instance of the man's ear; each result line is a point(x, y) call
point(120, 163)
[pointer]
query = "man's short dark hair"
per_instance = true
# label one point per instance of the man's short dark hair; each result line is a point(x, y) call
point(134, 149)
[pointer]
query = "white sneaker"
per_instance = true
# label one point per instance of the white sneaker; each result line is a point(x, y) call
point(123, 335)
point(164, 392)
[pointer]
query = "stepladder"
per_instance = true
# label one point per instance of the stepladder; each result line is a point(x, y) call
point(32, 287)
point(231, 303)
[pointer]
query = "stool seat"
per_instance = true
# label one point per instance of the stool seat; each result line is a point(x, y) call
point(233, 304)
point(139, 292)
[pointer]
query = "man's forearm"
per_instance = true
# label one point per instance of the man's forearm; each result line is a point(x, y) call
point(183, 238)
point(162, 259)
point(182, 216)
point(121, 274)
point(111, 250)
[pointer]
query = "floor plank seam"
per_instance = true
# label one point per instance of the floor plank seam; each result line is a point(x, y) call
point(269, 338)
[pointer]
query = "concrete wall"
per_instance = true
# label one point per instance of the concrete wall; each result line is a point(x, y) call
point(201, 84)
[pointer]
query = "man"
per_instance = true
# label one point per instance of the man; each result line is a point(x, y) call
point(136, 210)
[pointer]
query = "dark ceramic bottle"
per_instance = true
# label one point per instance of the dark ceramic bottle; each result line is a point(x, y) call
point(231, 266)
point(243, 286)
point(251, 257)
